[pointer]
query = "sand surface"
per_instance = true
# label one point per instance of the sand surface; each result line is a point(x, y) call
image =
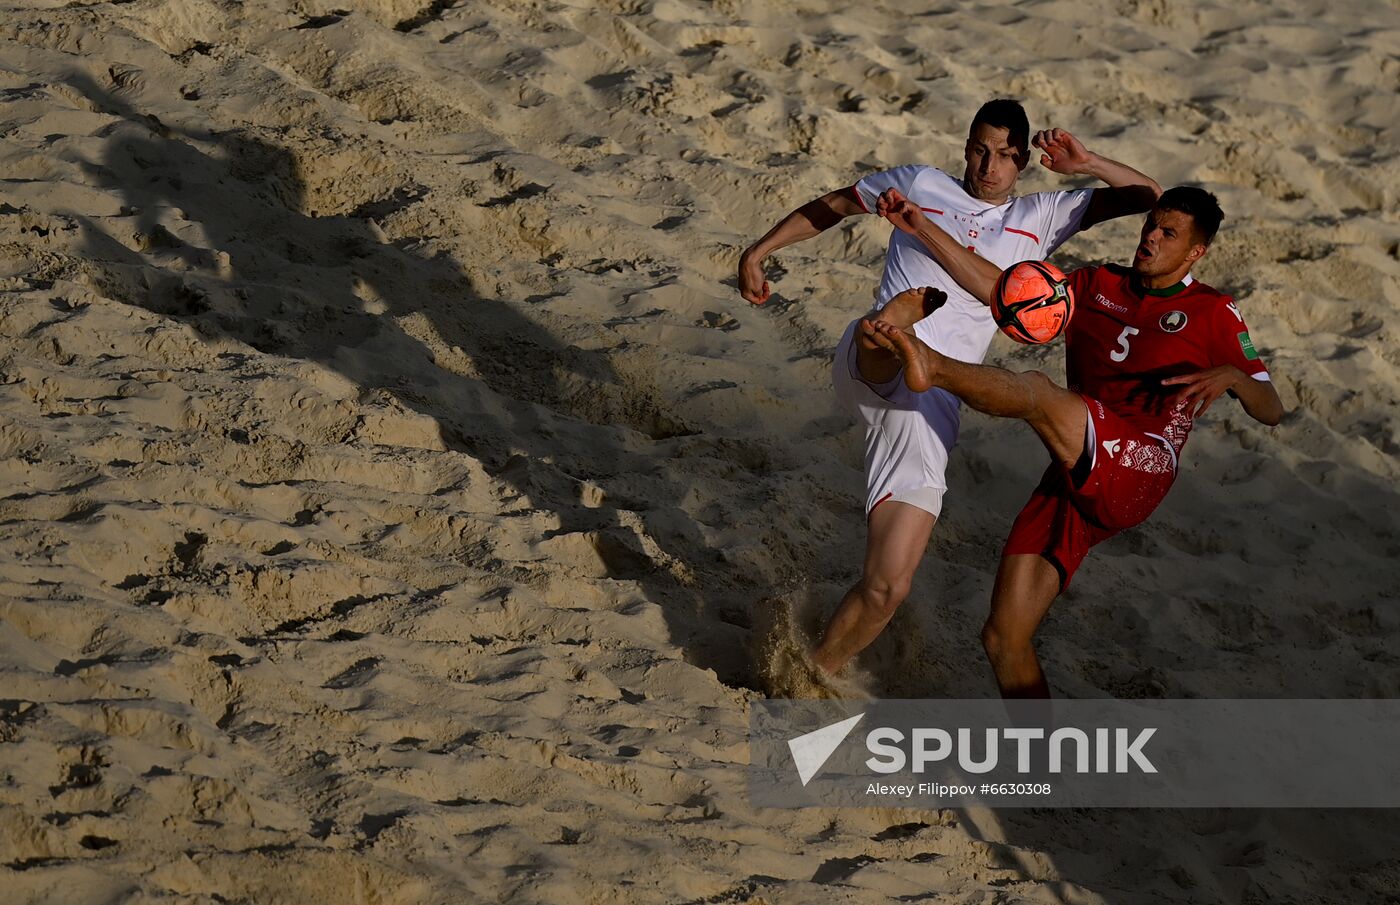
point(390, 474)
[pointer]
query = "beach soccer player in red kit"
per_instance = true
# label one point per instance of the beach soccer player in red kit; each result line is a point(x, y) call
point(1148, 349)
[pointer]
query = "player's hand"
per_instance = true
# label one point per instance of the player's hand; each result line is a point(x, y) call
point(903, 213)
point(1202, 388)
point(752, 286)
point(1063, 153)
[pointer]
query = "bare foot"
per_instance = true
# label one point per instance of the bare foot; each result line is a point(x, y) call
point(914, 305)
point(913, 354)
point(876, 363)
point(907, 309)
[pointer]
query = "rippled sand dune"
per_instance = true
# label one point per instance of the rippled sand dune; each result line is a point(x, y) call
point(391, 475)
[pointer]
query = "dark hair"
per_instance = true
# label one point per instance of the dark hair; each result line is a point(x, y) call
point(1201, 205)
point(1004, 113)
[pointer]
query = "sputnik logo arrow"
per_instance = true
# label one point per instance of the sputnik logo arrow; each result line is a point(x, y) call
point(810, 751)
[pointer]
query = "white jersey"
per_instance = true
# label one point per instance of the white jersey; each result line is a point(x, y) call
point(1029, 227)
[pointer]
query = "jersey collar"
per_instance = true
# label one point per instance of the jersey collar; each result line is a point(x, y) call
point(1170, 290)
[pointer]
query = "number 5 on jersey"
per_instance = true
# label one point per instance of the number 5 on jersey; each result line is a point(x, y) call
point(1122, 351)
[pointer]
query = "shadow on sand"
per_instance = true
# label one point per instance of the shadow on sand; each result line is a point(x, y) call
point(327, 289)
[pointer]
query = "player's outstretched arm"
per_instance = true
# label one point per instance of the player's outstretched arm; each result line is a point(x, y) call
point(1129, 191)
point(971, 271)
point(1258, 397)
point(810, 219)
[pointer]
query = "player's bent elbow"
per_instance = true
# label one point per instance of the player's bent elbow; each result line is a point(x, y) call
point(844, 202)
point(1268, 412)
point(1142, 198)
point(1276, 411)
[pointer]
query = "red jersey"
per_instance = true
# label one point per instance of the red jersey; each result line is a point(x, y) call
point(1121, 344)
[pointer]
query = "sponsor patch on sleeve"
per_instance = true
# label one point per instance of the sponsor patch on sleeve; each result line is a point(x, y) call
point(1247, 346)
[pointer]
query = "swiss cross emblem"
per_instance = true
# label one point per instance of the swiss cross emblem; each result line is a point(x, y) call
point(972, 233)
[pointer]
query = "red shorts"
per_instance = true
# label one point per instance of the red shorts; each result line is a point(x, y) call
point(1129, 474)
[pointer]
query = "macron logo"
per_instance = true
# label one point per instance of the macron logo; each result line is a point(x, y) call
point(810, 751)
point(1109, 304)
point(1111, 447)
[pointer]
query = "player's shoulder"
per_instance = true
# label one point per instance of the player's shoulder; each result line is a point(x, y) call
point(1038, 213)
point(1050, 199)
point(1046, 197)
point(1211, 307)
point(933, 179)
point(1207, 297)
point(916, 178)
point(933, 172)
point(1116, 273)
point(1207, 292)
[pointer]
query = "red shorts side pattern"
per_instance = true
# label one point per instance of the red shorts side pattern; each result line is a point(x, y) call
point(1130, 473)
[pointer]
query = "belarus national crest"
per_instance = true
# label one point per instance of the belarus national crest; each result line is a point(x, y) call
point(1172, 321)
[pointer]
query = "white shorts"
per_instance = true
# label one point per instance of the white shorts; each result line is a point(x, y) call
point(907, 434)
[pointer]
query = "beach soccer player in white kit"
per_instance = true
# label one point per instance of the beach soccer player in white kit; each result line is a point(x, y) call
point(908, 435)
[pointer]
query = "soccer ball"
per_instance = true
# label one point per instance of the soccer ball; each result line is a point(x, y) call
point(1032, 302)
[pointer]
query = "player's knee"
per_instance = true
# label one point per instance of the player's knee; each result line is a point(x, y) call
point(991, 640)
point(1001, 644)
point(885, 593)
point(1041, 397)
point(1035, 387)
point(1040, 385)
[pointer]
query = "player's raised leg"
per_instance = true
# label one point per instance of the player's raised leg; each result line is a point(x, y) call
point(1026, 584)
point(897, 537)
point(1056, 414)
point(1025, 587)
